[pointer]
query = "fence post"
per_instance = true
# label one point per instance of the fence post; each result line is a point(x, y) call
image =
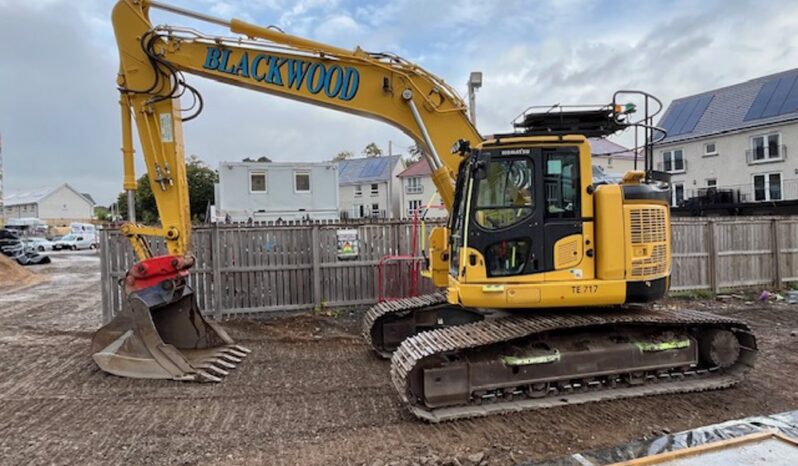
point(712, 249)
point(107, 282)
point(316, 248)
point(216, 266)
point(776, 241)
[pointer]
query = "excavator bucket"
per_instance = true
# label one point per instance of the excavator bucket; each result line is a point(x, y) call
point(160, 333)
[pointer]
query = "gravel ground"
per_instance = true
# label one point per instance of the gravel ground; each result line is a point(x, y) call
point(310, 393)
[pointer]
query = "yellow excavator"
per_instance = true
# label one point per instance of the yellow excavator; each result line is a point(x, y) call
point(540, 265)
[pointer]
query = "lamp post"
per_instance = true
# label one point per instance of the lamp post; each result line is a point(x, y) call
point(474, 83)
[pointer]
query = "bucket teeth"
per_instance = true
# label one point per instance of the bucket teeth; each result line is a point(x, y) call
point(241, 349)
point(215, 369)
point(219, 362)
point(206, 377)
point(235, 353)
point(230, 358)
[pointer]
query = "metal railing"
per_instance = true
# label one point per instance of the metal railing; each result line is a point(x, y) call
point(348, 215)
point(787, 190)
point(764, 155)
point(661, 166)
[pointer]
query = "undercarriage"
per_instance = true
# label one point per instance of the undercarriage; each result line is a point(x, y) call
point(456, 363)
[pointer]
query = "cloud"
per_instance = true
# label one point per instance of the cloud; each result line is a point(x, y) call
point(59, 115)
point(58, 101)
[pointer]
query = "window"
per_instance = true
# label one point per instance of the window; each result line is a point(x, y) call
point(766, 147)
point(358, 211)
point(302, 182)
point(673, 161)
point(767, 187)
point(710, 149)
point(562, 186)
point(375, 210)
point(257, 182)
point(505, 194)
point(414, 185)
point(358, 190)
point(413, 207)
point(677, 194)
point(375, 189)
point(712, 185)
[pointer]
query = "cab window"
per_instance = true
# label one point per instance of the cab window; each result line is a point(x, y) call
point(561, 181)
point(505, 196)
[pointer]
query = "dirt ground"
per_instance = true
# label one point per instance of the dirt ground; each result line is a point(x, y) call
point(311, 393)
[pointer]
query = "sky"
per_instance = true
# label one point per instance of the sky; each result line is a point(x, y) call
point(59, 116)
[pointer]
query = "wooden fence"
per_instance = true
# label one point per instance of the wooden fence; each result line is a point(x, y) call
point(729, 252)
point(264, 268)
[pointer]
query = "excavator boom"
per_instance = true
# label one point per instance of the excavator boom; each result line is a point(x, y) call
point(160, 332)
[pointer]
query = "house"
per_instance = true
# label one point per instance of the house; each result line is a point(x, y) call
point(418, 193)
point(734, 141)
point(613, 158)
point(56, 205)
point(265, 191)
point(368, 187)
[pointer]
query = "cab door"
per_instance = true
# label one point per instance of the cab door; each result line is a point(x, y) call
point(506, 223)
point(562, 215)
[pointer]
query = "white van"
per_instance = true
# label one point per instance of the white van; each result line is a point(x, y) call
point(75, 241)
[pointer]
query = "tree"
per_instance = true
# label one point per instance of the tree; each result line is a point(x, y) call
point(260, 159)
point(343, 155)
point(372, 150)
point(201, 179)
point(415, 153)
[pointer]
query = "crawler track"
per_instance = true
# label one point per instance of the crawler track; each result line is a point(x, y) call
point(417, 352)
point(383, 310)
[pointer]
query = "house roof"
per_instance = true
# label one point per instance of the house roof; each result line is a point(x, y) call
point(366, 170)
point(604, 147)
point(761, 101)
point(420, 168)
point(37, 195)
point(88, 198)
point(29, 197)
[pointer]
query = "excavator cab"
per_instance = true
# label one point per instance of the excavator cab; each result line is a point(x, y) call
point(531, 229)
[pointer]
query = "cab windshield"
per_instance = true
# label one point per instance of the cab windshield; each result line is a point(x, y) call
point(505, 195)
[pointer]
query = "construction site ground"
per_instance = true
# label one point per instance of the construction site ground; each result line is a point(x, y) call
point(311, 393)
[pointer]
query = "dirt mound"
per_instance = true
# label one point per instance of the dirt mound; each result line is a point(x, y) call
point(13, 274)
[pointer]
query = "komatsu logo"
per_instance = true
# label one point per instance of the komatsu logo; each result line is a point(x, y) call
point(516, 152)
point(336, 81)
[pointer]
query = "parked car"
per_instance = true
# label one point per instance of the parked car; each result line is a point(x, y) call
point(38, 244)
point(13, 247)
point(74, 242)
point(8, 238)
point(24, 255)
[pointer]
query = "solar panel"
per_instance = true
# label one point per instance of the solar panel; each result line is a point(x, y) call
point(698, 111)
point(776, 97)
point(783, 89)
point(679, 124)
point(684, 115)
point(791, 102)
point(373, 168)
point(673, 115)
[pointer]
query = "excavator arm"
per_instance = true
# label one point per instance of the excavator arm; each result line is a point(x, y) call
point(380, 86)
point(160, 331)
